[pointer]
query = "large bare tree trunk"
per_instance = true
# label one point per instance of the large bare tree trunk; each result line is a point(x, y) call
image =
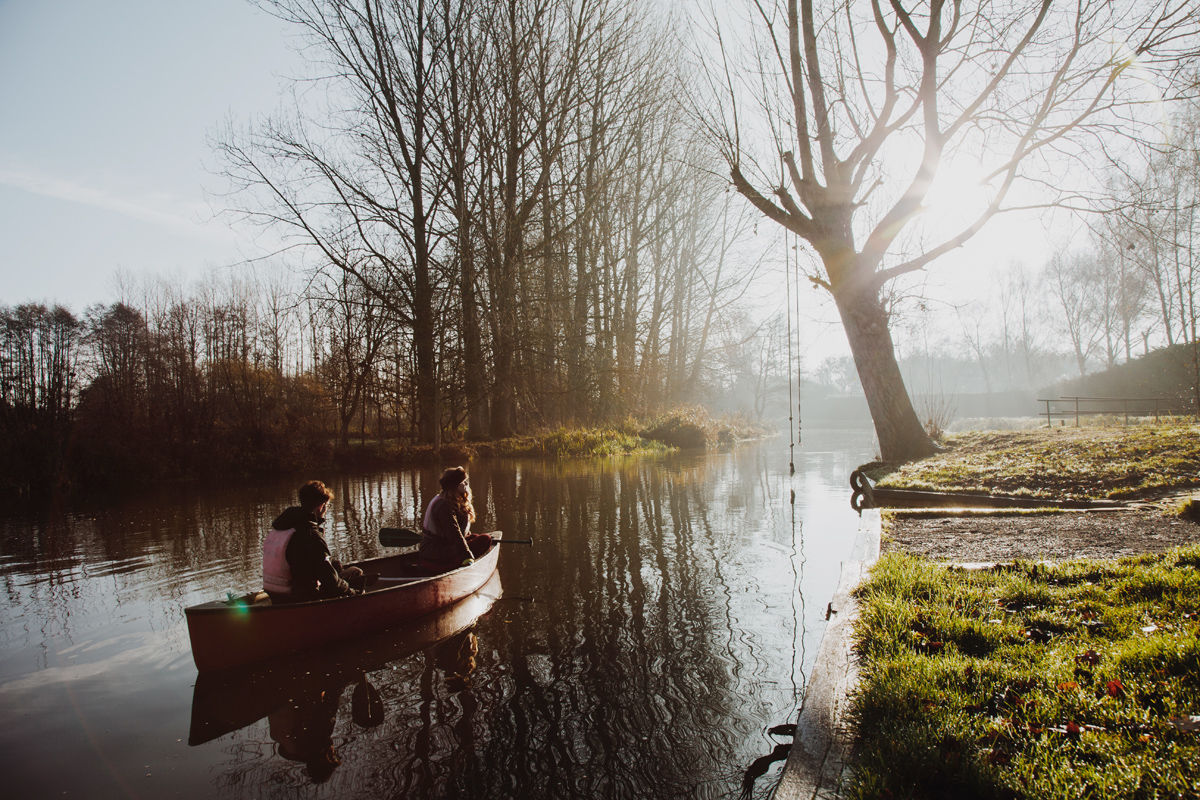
point(865, 320)
point(462, 81)
point(473, 363)
point(428, 416)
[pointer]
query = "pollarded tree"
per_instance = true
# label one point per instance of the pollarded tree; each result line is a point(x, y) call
point(864, 104)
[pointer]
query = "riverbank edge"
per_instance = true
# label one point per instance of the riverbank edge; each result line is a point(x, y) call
point(561, 444)
point(818, 762)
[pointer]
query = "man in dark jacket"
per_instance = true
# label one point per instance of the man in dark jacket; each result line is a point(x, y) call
point(297, 565)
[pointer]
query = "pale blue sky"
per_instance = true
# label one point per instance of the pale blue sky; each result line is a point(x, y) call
point(104, 112)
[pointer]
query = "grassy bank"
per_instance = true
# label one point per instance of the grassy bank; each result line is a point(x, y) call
point(1033, 681)
point(1059, 463)
point(684, 428)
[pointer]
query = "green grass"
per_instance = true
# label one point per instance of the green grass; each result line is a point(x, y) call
point(692, 427)
point(572, 443)
point(1029, 681)
point(683, 427)
point(1074, 463)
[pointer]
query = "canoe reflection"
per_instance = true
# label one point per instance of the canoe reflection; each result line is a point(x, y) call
point(303, 731)
point(303, 726)
point(300, 693)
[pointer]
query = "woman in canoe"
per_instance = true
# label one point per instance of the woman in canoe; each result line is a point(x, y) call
point(446, 541)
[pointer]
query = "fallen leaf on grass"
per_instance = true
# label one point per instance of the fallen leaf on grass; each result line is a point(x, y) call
point(1074, 728)
point(1038, 635)
point(1115, 689)
point(999, 757)
point(1190, 724)
point(1068, 686)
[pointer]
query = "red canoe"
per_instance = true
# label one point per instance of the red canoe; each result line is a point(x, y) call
point(250, 629)
point(226, 700)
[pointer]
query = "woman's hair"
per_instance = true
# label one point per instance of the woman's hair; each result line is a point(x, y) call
point(450, 481)
point(463, 502)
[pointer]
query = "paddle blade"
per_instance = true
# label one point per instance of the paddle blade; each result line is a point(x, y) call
point(399, 537)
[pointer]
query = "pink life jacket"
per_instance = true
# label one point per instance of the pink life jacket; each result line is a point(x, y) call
point(277, 573)
point(427, 523)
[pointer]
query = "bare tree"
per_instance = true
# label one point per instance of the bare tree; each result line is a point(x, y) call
point(863, 104)
point(516, 184)
point(358, 330)
point(1151, 230)
point(360, 184)
point(39, 352)
point(1073, 282)
point(1022, 311)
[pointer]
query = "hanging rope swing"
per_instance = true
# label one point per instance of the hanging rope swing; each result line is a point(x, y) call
point(787, 280)
point(799, 357)
point(791, 262)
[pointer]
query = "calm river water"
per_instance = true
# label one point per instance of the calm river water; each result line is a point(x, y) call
point(664, 618)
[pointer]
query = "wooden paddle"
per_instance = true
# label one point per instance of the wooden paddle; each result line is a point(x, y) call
point(403, 537)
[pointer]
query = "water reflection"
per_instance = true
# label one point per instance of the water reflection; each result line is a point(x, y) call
point(303, 731)
point(662, 621)
point(644, 683)
point(302, 697)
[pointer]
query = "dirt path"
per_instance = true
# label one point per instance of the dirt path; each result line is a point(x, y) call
point(1056, 537)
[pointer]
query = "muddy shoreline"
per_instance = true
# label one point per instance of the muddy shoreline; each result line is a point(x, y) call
point(1050, 537)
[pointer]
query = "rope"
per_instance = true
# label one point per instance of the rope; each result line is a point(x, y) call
point(798, 624)
point(787, 280)
point(799, 357)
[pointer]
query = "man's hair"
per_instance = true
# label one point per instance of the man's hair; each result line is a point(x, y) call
point(313, 494)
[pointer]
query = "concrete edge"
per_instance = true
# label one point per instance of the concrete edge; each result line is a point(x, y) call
point(818, 760)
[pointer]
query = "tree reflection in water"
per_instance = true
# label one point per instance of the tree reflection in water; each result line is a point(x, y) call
point(640, 660)
point(647, 640)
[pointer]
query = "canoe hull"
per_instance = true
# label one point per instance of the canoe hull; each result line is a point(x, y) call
point(224, 635)
point(227, 700)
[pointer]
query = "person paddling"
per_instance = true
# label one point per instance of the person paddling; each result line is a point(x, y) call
point(297, 565)
point(446, 541)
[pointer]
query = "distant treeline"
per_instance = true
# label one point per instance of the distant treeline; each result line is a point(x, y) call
point(238, 378)
point(1169, 372)
point(113, 396)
